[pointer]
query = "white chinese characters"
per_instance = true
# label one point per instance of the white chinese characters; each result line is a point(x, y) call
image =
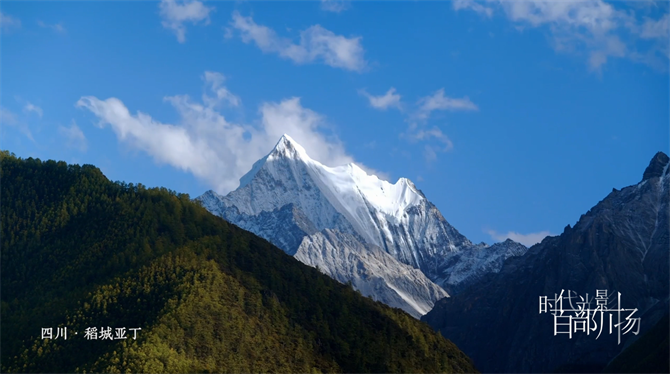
point(573, 314)
point(92, 333)
point(61, 332)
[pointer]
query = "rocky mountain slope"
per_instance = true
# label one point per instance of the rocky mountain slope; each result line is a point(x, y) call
point(621, 245)
point(370, 270)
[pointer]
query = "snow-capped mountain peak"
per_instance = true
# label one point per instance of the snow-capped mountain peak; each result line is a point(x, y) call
point(395, 217)
point(286, 147)
point(361, 199)
point(288, 197)
point(351, 179)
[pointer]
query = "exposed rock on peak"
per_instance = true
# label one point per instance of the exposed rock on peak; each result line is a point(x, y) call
point(657, 167)
point(286, 146)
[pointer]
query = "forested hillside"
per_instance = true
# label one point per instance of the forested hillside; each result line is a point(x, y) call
point(80, 251)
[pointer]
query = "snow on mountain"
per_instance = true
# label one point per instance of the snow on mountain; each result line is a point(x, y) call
point(396, 217)
point(463, 268)
point(288, 196)
point(285, 176)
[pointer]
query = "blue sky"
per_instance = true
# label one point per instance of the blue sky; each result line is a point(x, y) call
point(514, 118)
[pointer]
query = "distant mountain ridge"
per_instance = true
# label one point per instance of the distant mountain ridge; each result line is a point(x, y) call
point(620, 245)
point(290, 199)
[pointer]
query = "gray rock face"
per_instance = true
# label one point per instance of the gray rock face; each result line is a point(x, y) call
point(372, 271)
point(288, 198)
point(285, 227)
point(656, 166)
point(622, 245)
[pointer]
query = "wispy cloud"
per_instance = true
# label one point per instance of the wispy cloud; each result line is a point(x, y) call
point(435, 141)
point(596, 28)
point(316, 44)
point(7, 118)
point(9, 23)
point(222, 94)
point(437, 101)
point(335, 6)
point(656, 29)
point(74, 137)
point(30, 107)
point(176, 13)
point(57, 27)
point(383, 102)
point(434, 133)
point(206, 144)
point(473, 5)
point(525, 239)
point(417, 116)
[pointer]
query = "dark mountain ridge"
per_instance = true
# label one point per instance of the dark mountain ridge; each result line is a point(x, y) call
point(620, 245)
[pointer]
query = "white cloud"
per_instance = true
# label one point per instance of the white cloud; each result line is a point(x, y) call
point(336, 6)
point(647, 5)
point(594, 15)
point(30, 107)
point(525, 239)
point(438, 101)
point(74, 136)
point(593, 27)
point(8, 23)
point(589, 22)
point(383, 102)
point(175, 14)
point(473, 5)
point(207, 145)
point(316, 43)
point(7, 118)
point(302, 124)
point(58, 27)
